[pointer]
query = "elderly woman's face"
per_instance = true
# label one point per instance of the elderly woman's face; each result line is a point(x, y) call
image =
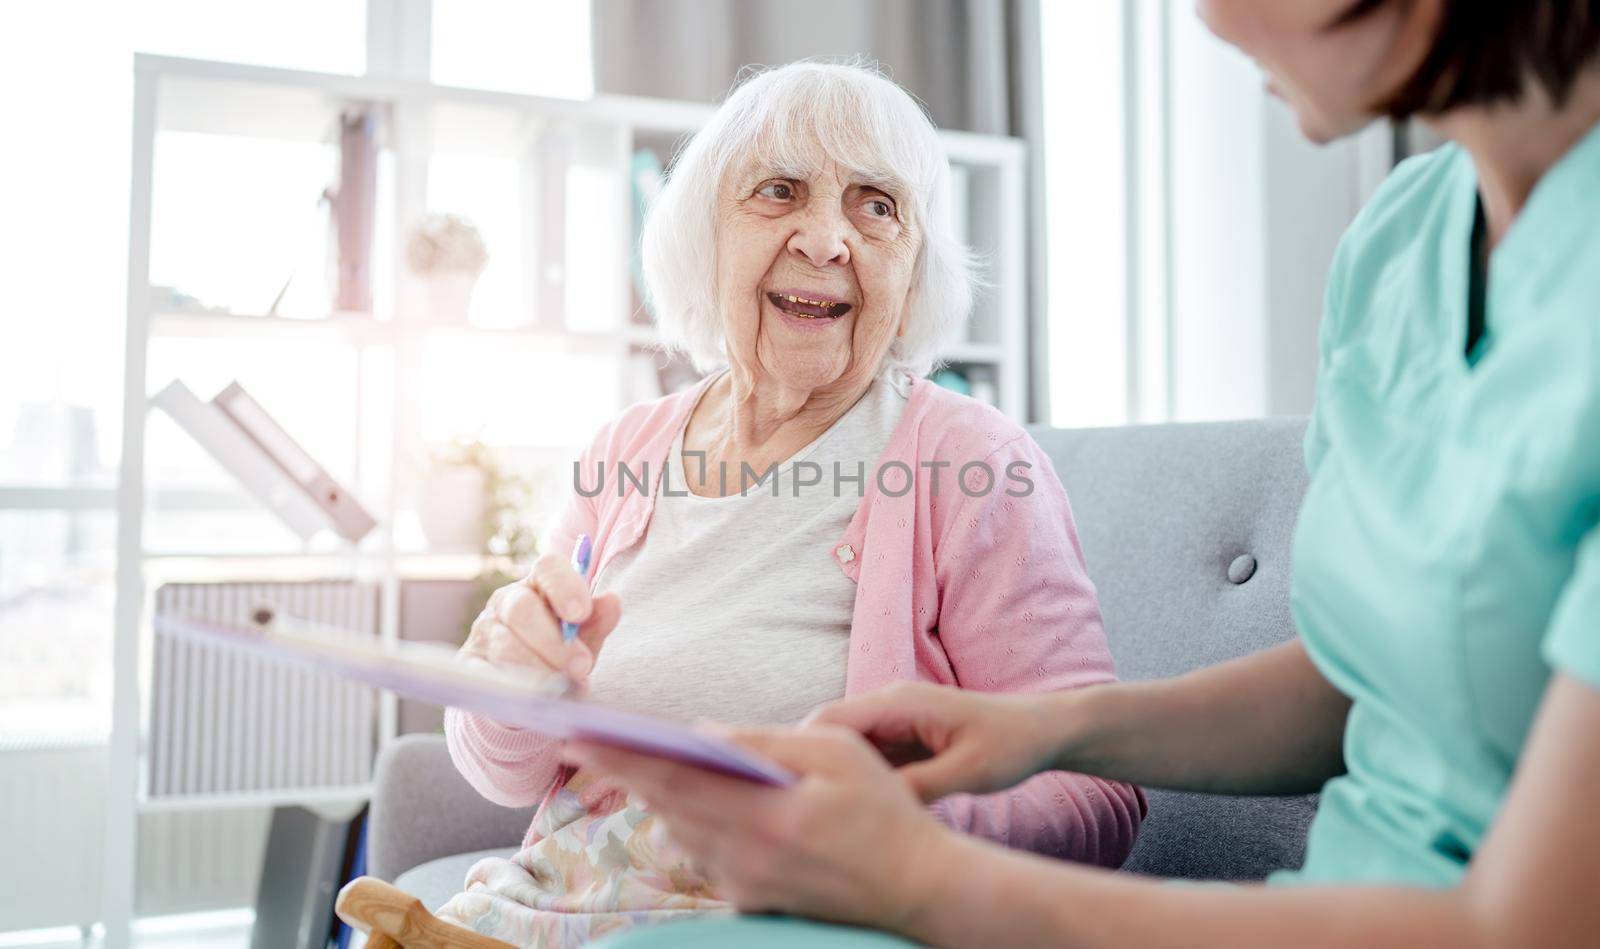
point(812, 274)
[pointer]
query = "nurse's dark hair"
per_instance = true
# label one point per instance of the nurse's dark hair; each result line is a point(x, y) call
point(1487, 51)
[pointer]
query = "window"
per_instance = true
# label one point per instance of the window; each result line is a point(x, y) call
point(1085, 212)
point(486, 191)
point(240, 224)
point(538, 47)
point(56, 592)
point(65, 190)
point(319, 35)
point(237, 225)
point(478, 388)
point(1190, 224)
point(64, 185)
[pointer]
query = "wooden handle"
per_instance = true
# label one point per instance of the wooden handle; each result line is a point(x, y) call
point(394, 919)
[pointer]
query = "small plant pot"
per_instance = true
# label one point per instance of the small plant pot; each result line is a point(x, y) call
point(447, 298)
point(451, 508)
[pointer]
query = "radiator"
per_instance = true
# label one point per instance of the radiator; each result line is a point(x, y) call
point(223, 721)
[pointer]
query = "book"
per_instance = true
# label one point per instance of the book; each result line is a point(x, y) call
point(433, 672)
point(255, 449)
point(350, 520)
point(237, 452)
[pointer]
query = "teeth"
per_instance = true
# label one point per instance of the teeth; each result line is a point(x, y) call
point(795, 299)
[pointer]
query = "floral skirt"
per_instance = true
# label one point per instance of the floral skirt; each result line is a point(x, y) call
point(594, 864)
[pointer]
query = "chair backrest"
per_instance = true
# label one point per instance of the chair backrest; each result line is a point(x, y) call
point(423, 809)
point(1186, 529)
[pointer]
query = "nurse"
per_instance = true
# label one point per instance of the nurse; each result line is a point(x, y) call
point(1444, 691)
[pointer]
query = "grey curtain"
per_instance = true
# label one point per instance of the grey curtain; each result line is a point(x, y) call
point(974, 64)
point(951, 54)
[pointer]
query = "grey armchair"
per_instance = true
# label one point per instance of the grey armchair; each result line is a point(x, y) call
point(1186, 529)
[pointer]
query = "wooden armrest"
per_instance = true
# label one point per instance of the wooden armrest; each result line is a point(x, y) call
point(394, 919)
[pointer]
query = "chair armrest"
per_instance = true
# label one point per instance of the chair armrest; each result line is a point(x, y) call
point(394, 919)
point(423, 809)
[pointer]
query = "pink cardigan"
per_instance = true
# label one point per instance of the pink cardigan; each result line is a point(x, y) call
point(985, 591)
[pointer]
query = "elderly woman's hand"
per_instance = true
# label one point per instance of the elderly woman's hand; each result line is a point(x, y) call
point(848, 842)
point(948, 740)
point(521, 624)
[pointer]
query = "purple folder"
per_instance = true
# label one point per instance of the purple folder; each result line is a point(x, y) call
point(412, 670)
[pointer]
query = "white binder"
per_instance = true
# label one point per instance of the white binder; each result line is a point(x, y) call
point(287, 485)
point(349, 519)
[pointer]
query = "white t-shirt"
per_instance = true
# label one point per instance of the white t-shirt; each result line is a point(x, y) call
point(733, 608)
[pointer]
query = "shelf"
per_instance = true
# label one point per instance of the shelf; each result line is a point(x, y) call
point(556, 340)
point(973, 353)
point(358, 329)
point(363, 330)
point(284, 556)
point(198, 565)
point(349, 795)
point(452, 566)
point(268, 102)
point(972, 148)
point(418, 120)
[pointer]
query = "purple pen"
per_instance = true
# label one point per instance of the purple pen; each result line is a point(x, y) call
point(580, 562)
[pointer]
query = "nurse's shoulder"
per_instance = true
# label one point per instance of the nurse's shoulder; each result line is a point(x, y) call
point(1418, 188)
point(1398, 233)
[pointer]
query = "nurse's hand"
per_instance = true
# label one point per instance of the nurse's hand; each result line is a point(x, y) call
point(847, 843)
point(521, 625)
point(947, 740)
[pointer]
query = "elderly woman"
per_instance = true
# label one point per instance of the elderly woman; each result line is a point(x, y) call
point(814, 521)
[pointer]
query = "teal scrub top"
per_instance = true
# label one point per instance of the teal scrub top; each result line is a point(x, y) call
point(1447, 557)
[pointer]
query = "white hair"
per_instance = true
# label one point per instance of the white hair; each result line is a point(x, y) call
point(854, 116)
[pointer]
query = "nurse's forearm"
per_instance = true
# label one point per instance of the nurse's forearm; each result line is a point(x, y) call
point(1268, 723)
point(993, 897)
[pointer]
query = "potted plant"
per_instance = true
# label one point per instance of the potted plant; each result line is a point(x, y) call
point(447, 255)
point(470, 501)
point(451, 505)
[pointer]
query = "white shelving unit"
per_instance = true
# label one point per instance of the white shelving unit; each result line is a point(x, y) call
point(549, 139)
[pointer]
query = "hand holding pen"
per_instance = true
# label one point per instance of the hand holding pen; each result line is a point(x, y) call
point(526, 623)
point(580, 565)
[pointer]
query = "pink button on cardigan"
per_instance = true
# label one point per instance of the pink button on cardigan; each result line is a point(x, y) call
point(985, 591)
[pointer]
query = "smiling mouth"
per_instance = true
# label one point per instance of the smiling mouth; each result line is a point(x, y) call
point(808, 309)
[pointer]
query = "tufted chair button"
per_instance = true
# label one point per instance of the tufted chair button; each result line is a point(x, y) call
point(1242, 568)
